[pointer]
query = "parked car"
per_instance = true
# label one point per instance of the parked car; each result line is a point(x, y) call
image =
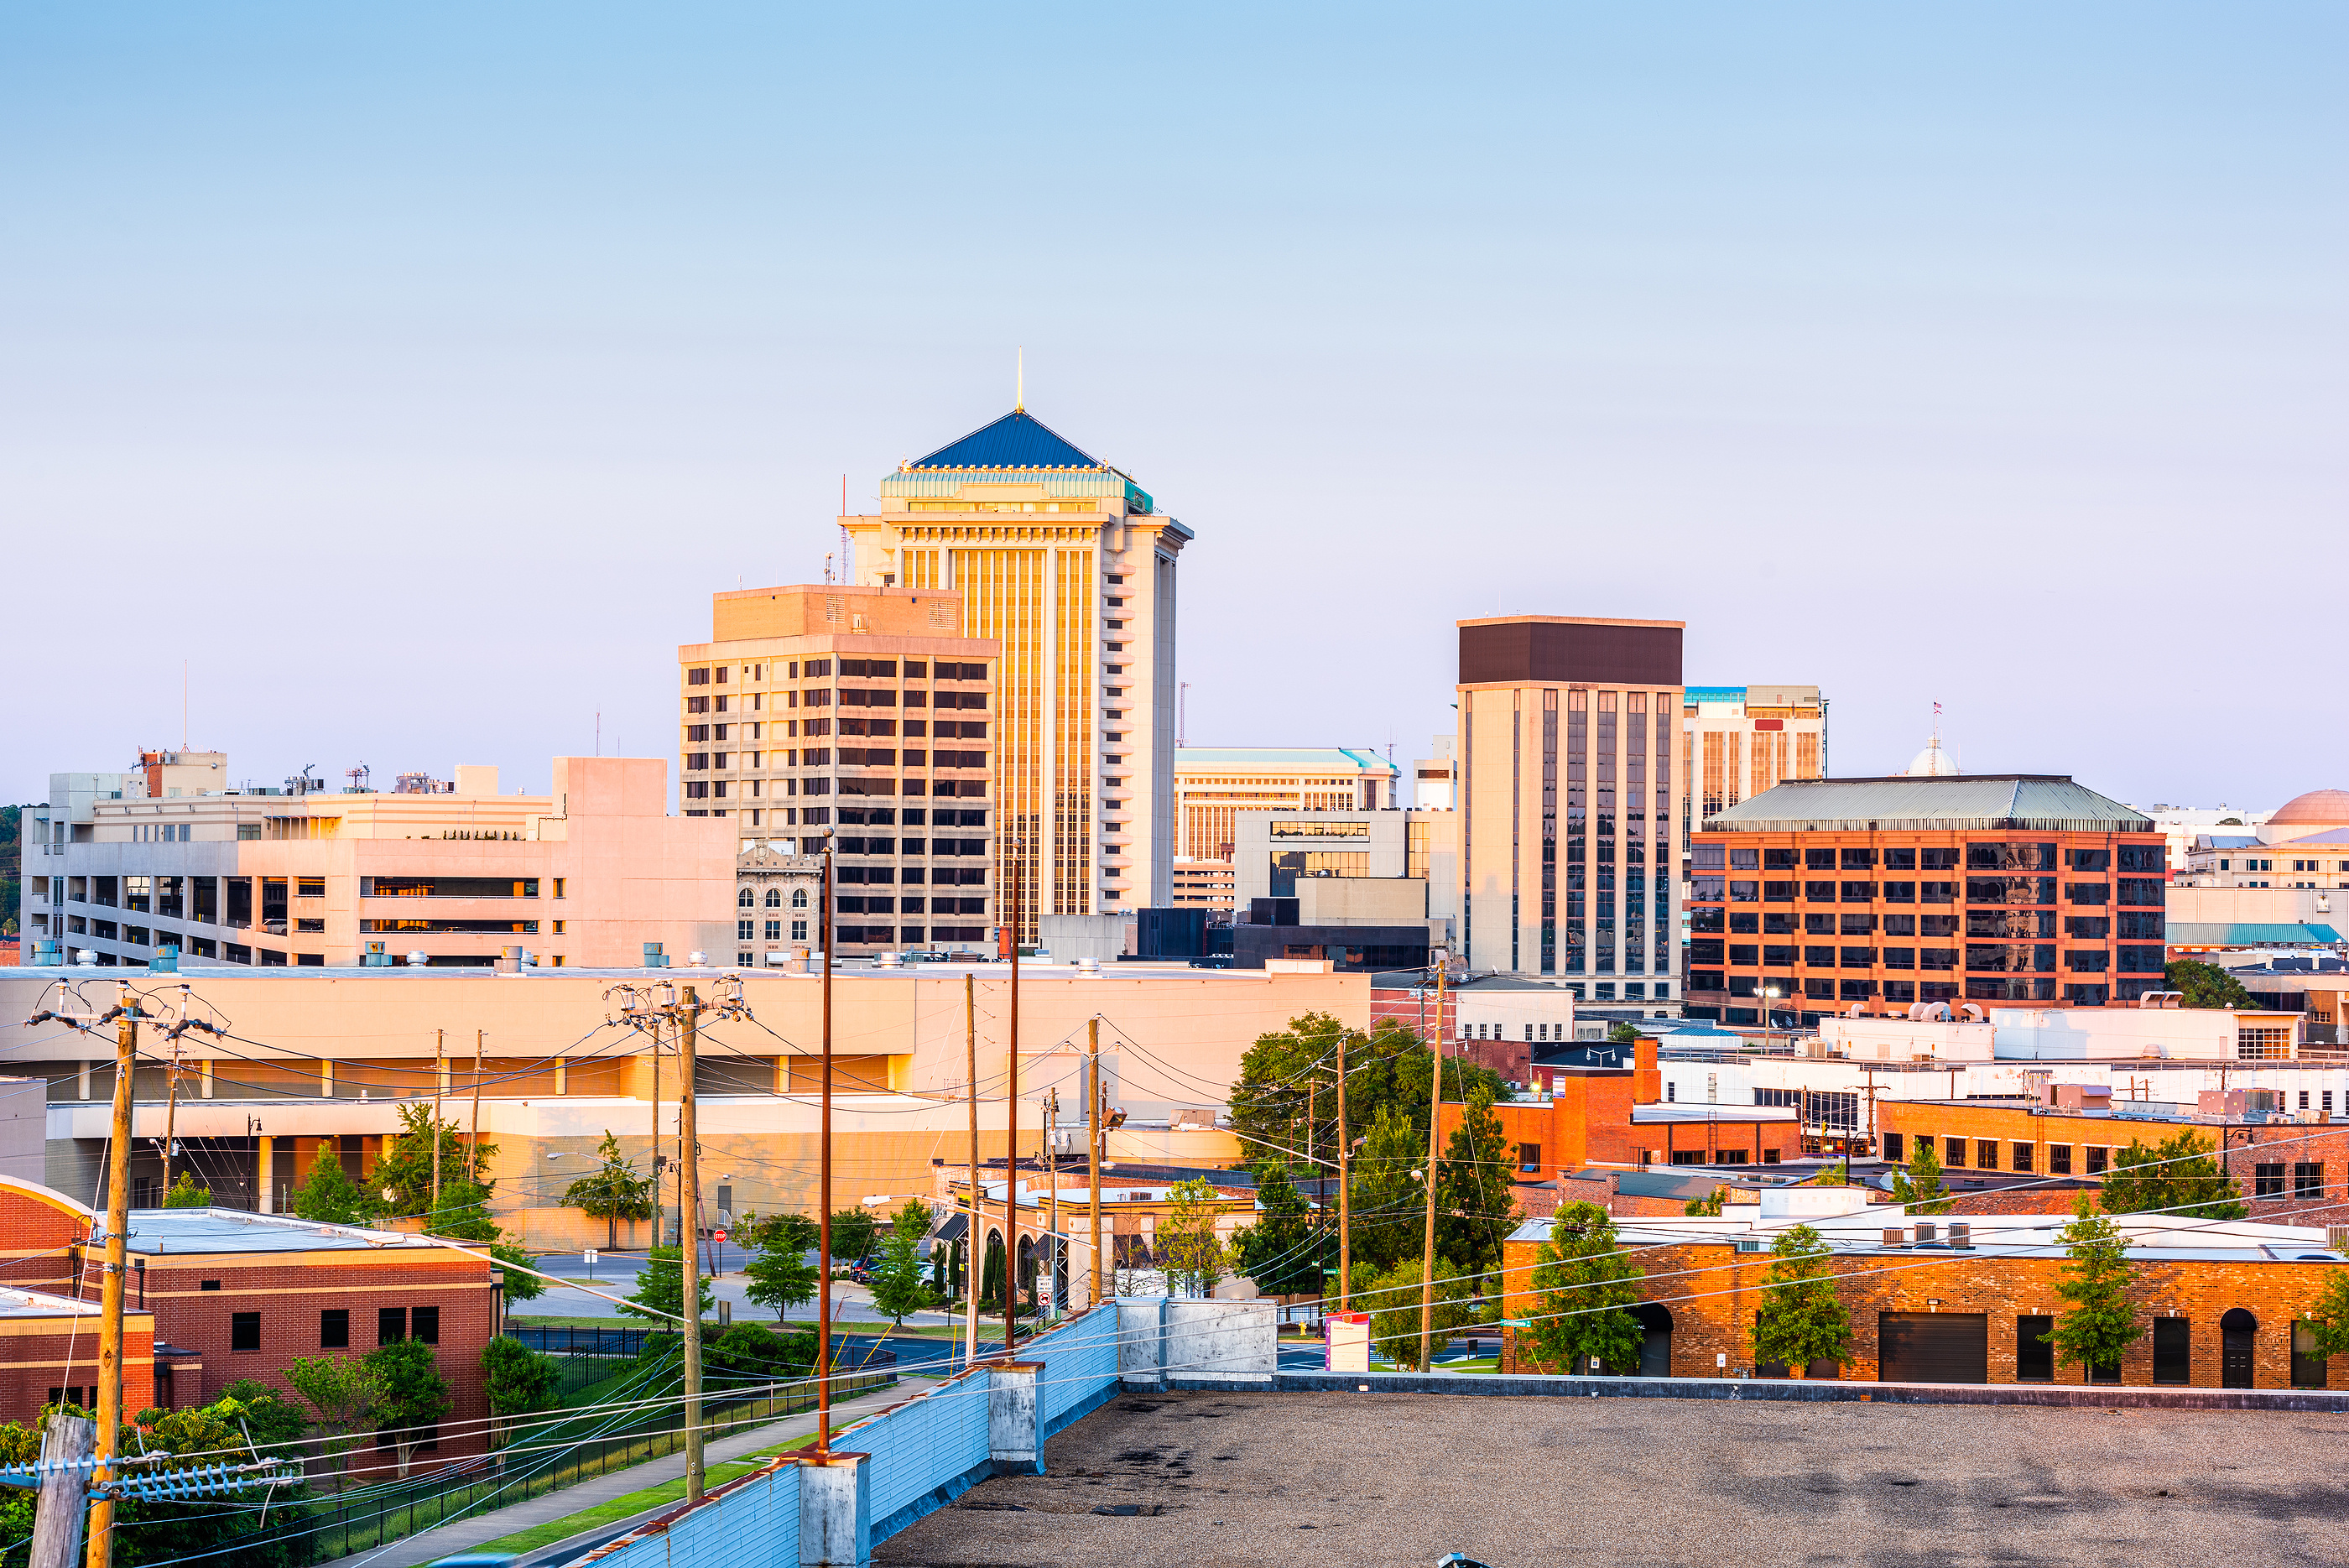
point(1213, 960)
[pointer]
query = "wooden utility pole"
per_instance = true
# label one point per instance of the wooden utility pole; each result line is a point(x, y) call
point(58, 1515)
point(1052, 1185)
point(109, 1322)
point(171, 1115)
point(688, 1205)
point(970, 1246)
point(656, 1153)
point(1434, 1127)
point(1095, 1113)
point(1012, 1145)
point(473, 1147)
point(1345, 1185)
point(824, 1184)
point(440, 1077)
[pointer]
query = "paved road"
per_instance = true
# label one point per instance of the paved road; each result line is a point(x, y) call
point(614, 1274)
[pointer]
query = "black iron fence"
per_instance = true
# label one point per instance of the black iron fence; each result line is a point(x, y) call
point(582, 1341)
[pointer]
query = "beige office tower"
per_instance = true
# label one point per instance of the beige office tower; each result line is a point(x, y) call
point(1065, 562)
point(1738, 740)
point(1568, 731)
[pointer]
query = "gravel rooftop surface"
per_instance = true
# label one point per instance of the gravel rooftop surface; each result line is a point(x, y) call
point(1403, 1478)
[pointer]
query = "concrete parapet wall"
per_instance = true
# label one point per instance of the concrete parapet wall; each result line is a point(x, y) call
point(1818, 1391)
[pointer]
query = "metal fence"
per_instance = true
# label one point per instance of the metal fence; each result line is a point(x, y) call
point(582, 1341)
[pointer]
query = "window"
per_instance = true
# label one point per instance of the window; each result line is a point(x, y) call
point(2059, 1159)
point(2308, 1363)
point(244, 1330)
point(2173, 1344)
point(774, 930)
point(2267, 1180)
point(2034, 1359)
point(2087, 892)
point(1818, 859)
point(426, 1324)
point(390, 1324)
point(1819, 892)
point(744, 930)
point(1901, 892)
point(208, 1285)
point(1529, 1158)
point(799, 897)
point(334, 1329)
point(2308, 1179)
point(2021, 1161)
point(746, 899)
point(1858, 860)
point(1986, 1153)
point(2097, 1157)
point(1892, 1145)
point(1900, 957)
point(1953, 1151)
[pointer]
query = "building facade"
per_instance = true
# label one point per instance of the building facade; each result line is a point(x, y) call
point(1215, 787)
point(586, 874)
point(861, 713)
point(2304, 844)
point(1738, 740)
point(1567, 811)
point(1067, 567)
point(1834, 895)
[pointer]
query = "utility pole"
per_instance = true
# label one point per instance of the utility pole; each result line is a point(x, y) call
point(1052, 1185)
point(688, 1204)
point(823, 1185)
point(1012, 1145)
point(109, 1322)
point(1345, 1185)
point(171, 1115)
point(659, 1160)
point(440, 1079)
point(473, 1147)
point(1435, 1124)
point(970, 1245)
point(1094, 1137)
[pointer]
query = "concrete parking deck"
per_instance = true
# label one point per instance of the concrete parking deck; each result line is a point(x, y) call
point(1383, 1479)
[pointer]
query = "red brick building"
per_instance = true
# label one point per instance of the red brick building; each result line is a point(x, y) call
point(2219, 1302)
point(1823, 894)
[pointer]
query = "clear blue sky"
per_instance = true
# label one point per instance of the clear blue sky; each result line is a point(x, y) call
point(416, 372)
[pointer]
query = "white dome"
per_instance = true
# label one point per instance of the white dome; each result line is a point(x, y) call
point(1933, 761)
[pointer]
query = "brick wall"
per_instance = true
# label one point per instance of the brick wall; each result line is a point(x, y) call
point(37, 1355)
point(1711, 1293)
point(38, 1230)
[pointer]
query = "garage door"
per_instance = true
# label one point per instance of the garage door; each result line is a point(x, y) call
point(1932, 1347)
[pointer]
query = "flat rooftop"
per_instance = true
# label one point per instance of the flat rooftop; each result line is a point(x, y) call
point(156, 1231)
point(1403, 1478)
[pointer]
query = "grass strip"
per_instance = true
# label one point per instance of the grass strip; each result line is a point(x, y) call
point(633, 1503)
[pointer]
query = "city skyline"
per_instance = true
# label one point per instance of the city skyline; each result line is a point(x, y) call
point(423, 392)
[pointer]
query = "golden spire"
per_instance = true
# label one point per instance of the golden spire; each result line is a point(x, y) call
point(1019, 386)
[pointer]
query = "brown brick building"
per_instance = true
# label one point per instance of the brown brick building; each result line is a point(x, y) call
point(1824, 895)
point(2219, 1301)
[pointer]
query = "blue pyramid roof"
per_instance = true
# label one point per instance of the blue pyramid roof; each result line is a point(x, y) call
point(1018, 439)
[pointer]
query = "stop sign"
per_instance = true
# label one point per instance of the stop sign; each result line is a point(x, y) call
point(718, 1236)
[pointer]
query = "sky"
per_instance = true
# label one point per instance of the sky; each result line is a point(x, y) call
point(409, 376)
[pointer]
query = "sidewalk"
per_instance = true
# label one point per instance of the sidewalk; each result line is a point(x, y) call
point(476, 1529)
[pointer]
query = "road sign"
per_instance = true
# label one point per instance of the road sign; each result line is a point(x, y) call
point(718, 1237)
point(590, 1256)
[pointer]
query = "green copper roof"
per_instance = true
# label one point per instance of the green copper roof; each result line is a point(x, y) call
point(2030, 802)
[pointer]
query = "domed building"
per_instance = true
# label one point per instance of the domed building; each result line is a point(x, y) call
point(2304, 844)
point(2311, 813)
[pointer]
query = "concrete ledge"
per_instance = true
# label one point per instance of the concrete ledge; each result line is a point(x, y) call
point(1083, 1408)
point(2106, 1396)
point(932, 1500)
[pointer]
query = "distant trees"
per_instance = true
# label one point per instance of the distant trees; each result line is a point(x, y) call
point(1190, 1251)
point(1801, 1321)
point(2101, 1318)
point(1393, 1300)
point(328, 1194)
point(186, 1194)
point(612, 1192)
point(2175, 1177)
point(1582, 1282)
point(2205, 985)
point(1919, 1187)
point(1282, 1253)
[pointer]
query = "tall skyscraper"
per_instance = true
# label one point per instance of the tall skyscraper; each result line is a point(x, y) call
point(1066, 563)
point(1567, 730)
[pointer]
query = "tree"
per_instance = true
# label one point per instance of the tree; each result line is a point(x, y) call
point(186, 1194)
point(1707, 1207)
point(1584, 1283)
point(788, 1233)
point(1393, 1300)
point(1918, 1188)
point(1188, 1248)
point(660, 1288)
point(517, 1379)
point(1283, 1075)
point(2205, 985)
point(1624, 1035)
point(342, 1392)
point(2176, 1177)
point(1281, 1252)
point(1836, 1175)
point(2102, 1321)
point(898, 1287)
point(400, 1185)
point(1801, 1319)
point(329, 1195)
point(781, 1276)
point(612, 1192)
point(268, 1416)
point(2329, 1317)
point(1476, 1188)
point(411, 1397)
point(852, 1234)
point(1389, 1198)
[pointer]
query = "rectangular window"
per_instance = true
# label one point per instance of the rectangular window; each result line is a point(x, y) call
point(244, 1330)
point(1953, 1151)
point(2087, 892)
point(390, 1324)
point(1529, 1158)
point(1986, 1153)
point(2308, 1179)
point(1858, 860)
point(2034, 1359)
point(334, 1329)
point(2097, 1156)
point(2173, 1351)
point(426, 1325)
point(1818, 859)
point(2308, 1363)
point(2267, 1180)
point(1900, 860)
point(2059, 1159)
point(2021, 1161)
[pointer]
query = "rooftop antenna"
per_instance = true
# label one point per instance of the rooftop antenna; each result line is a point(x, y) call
point(183, 704)
point(1019, 383)
point(845, 558)
point(1182, 712)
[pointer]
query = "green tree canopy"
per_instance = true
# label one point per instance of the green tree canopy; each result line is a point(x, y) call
point(1282, 1252)
point(1624, 1034)
point(1707, 1207)
point(400, 1185)
point(2101, 1321)
point(2205, 985)
point(1393, 1299)
point(1919, 1186)
point(411, 1397)
point(328, 1194)
point(660, 1288)
point(898, 1285)
point(853, 1232)
point(2175, 1177)
point(1389, 1198)
point(517, 1379)
point(186, 1194)
point(1475, 1187)
point(1190, 1251)
point(341, 1393)
point(1582, 1283)
point(1801, 1319)
point(612, 1192)
point(1288, 1075)
point(781, 1276)
point(792, 1232)
point(2330, 1316)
